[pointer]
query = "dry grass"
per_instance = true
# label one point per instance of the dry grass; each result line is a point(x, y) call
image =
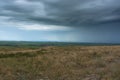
point(61, 63)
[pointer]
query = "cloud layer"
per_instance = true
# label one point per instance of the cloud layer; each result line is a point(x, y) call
point(60, 20)
point(71, 13)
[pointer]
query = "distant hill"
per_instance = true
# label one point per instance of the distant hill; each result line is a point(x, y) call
point(30, 43)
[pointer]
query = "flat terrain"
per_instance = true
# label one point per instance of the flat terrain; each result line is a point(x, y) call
point(60, 63)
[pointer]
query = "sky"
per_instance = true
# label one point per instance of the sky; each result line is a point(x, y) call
point(60, 20)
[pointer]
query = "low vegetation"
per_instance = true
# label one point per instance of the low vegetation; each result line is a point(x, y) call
point(60, 63)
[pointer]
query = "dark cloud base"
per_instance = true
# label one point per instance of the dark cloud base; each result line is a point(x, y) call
point(62, 12)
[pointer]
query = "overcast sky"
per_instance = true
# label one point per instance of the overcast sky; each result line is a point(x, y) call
point(60, 20)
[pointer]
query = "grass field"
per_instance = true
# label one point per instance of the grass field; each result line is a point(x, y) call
point(60, 63)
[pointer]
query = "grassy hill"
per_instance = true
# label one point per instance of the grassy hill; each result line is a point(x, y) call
point(60, 63)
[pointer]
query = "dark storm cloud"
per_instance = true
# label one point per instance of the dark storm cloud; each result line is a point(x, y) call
point(62, 12)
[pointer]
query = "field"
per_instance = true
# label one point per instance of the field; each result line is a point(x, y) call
point(60, 63)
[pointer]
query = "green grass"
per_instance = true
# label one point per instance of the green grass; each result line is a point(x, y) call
point(21, 54)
